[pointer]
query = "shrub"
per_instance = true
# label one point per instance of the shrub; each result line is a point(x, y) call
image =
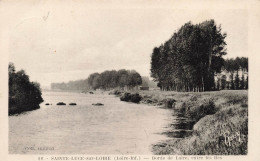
point(128, 97)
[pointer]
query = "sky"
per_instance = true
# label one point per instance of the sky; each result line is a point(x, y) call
point(58, 42)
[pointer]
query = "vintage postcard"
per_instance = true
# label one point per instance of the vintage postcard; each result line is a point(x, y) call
point(129, 80)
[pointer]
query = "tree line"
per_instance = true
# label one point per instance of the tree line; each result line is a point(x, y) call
point(189, 60)
point(71, 85)
point(234, 74)
point(23, 94)
point(84, 85)
point(115, 79)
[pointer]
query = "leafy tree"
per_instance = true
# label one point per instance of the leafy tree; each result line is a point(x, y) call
point(115, 79)
point(134, 79)
point(23, 94)
point(94, 80)
point(189, 59)
point(123, 78)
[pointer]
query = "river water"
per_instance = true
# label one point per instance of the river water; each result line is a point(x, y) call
point(115, 128)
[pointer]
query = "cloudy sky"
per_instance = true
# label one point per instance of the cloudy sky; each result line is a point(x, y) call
point(58, 42)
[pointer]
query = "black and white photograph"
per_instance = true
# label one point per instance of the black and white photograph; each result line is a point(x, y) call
point(120, 80)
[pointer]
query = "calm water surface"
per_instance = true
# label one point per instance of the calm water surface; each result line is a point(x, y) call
point(115, 128)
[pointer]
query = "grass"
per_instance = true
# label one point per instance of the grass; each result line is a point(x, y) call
point(197, 109)
point(221, 126)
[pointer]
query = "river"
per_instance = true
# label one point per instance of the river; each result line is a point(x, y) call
point(115, 128)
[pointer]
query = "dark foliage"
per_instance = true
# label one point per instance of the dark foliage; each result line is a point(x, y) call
point(128, 97)
point(169, 103)
point(234, 66)
point(190, 58)
point(115, 79)
point(23, 94)
point(61, 103)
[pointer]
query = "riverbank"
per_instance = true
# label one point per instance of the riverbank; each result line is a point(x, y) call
point(220, 121)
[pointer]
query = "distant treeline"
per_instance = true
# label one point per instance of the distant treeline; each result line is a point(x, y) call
point(234, 74)
point(115, 79)
point(23, 94)
point(191, 58)
point(107, 80)
point(71, 85)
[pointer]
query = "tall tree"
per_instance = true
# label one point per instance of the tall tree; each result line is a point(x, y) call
point(232, 84)
point(189, 59)
point(242, 82)
point(237, 80)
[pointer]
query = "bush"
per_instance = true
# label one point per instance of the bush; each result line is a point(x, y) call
point(128, 97)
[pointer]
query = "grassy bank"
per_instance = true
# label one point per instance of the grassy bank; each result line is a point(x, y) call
point(221, 122)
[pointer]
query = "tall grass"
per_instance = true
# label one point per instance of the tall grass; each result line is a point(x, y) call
point(198, 109)
point(221, 124)
point(221, 118)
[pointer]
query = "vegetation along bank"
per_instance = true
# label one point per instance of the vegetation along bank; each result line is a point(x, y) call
point(24, 95)
point(219, 121)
